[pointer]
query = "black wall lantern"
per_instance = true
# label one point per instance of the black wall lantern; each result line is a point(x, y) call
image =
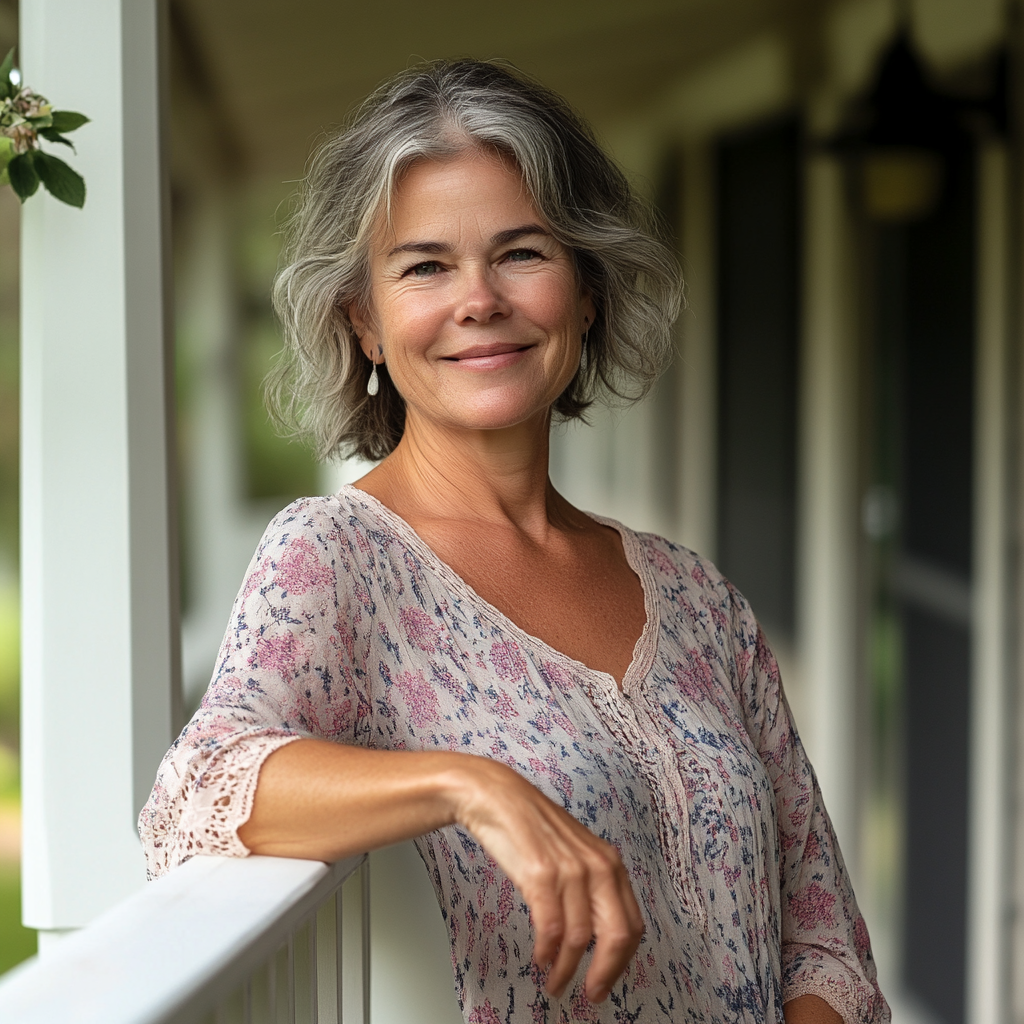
point(899, 140)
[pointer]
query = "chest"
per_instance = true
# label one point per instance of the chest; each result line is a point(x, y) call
point(583, 599)
point(666, 761)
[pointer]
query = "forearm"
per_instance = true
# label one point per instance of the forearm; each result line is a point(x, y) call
point(325, 801)
point(810, 1009)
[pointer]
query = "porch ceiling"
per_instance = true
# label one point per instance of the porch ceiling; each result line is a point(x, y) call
point(268, 76)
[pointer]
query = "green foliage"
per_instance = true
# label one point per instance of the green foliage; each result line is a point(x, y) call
point(16, 942)
point(67, 120)
point(6, 85)
point(25, 118)
point(52, 135)
point(9, 682)
point(60, 180)
point(6, 156)
point(10, 783)
point(9, 398)
point(276, 468)
point(21, 173)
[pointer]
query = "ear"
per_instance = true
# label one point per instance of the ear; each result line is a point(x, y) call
point(365, 333)
point(588, 311)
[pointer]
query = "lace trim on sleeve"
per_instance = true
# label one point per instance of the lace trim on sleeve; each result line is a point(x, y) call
point(808, 971)
point(210, 803)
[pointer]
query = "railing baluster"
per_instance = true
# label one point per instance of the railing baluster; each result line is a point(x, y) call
point(231, 1009)
point(272, 989)
point(259, 997)
point(339, 986)
point(290, 1005)
point(314, 1001)
point(326, 958)
point(364, 873)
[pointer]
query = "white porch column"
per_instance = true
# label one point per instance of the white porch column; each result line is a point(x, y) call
point(97, 612)
point(828, 505)
point(989, 890)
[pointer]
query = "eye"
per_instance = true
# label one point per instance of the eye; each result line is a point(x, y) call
point(523, 255)
point(428, 269)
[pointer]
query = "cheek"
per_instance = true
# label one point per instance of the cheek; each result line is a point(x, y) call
point(409, 326)
point(554, 303)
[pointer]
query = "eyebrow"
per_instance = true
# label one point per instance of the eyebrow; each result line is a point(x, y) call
point(441, 248)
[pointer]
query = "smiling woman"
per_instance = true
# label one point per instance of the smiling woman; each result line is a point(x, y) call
point(582, 727)
point(497, 293)
point(582, 200)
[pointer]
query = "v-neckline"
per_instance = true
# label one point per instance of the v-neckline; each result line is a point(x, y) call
point(646, 643)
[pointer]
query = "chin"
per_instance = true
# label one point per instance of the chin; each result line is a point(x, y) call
point(499, 415)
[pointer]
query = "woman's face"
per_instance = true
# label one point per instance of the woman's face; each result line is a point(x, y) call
point(476, 309)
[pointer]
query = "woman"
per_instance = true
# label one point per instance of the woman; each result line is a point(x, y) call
point(582, 727)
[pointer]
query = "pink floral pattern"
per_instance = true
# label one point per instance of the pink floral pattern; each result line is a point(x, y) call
point(348, 628)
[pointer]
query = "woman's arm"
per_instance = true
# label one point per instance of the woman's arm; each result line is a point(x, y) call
point(810, 1010)
point(274, 765)
point(826, 953)
point(325, 801)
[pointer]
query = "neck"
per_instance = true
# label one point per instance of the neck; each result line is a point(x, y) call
point(495, 476)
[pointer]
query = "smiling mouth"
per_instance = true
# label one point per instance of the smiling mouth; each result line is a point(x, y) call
point(487, 353)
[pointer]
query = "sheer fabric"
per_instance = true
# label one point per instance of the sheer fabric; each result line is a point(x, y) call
point(348, 628)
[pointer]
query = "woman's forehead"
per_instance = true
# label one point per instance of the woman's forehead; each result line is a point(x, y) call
point(474, 189)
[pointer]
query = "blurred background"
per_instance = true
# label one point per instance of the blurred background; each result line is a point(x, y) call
point(839, 430)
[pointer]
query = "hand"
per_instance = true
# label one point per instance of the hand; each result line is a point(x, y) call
point(574, 883)
point(326, 801)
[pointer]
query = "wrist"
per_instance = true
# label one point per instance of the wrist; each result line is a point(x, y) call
point(467, 786)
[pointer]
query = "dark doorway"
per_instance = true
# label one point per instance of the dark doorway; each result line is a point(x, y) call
point(758, 184)
point(924, 383)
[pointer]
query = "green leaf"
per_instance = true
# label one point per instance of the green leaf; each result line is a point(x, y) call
point(22, 175)
point(67, 120)
point(6, 156)
point(6, 86)
point(60, 180)
point(52, 135)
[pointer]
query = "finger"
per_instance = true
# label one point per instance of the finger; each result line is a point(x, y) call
point(636, 918)
point(578, 930)
point(619, 928)
point(546, 915)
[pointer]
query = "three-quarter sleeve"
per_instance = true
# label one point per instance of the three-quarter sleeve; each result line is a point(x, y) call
point(825, 947)
point(284, 671)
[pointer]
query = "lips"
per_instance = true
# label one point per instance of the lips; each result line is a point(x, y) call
point(495, 356)
point(490, 351)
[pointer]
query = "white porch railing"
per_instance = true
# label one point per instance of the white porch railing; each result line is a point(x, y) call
point(260, 940)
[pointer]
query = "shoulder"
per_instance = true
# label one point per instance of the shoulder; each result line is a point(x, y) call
point(313, 542)
point(328, 523)
point(346, 542)
point(681, 571)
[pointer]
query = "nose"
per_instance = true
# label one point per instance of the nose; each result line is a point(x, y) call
point(481, 299)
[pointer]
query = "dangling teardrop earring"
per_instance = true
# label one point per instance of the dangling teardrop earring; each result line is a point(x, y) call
point(373, 384)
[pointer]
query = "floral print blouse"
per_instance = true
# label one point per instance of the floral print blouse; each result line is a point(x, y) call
point(348, 628)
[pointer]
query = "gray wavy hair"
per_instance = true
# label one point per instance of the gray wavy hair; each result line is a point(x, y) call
point(317, 390)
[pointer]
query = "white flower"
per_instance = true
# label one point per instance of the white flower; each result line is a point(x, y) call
point(8, 115)
point(23, 135)
point(31, 104)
